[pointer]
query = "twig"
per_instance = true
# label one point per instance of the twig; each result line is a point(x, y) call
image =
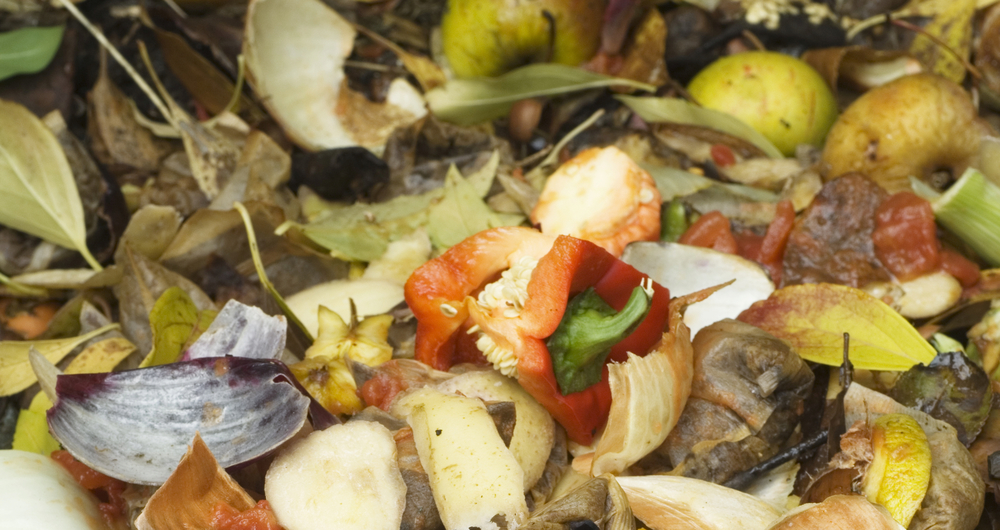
point(99, 35)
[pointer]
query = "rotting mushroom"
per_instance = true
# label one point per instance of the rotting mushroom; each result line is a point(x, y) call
point(913, 126)
point(748, 388)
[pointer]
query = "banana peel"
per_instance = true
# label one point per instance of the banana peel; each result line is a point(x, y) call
point(324, 372)
point(365, 342)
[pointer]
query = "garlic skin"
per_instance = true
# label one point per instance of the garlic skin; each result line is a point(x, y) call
point(665, 502)
point(839, 512)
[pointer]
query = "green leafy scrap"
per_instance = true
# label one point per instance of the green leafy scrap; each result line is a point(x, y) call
point(28, 50)
point(176, 323)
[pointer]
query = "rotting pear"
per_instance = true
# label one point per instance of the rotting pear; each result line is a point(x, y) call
point(780, 96)
point(485, 38)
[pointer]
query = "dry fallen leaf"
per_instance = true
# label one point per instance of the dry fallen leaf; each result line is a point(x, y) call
point(813, 318)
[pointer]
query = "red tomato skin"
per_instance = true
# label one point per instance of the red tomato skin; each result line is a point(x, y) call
point(905, 236)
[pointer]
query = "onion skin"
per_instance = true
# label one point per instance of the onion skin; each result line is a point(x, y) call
point(37, 493)
point(136, 425)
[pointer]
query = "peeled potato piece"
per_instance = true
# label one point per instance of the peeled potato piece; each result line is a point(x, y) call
point(534, 428)
point(343, 477)
point(477, 482)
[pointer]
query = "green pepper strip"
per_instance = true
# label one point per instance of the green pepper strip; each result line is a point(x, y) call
point(674, 221)
point(584, 338)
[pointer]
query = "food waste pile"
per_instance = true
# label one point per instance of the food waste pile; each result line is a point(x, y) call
point(495, 265)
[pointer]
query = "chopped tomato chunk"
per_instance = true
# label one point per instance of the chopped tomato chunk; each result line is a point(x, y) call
point(964, 270)
point(711, 231)
point(108, 490)
point(722, 155)
point(769, 250)
point(905, 236)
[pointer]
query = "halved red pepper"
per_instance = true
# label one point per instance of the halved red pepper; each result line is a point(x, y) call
point(566, 267)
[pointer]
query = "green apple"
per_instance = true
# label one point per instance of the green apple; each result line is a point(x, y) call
point(490, 37)
point(780, 96)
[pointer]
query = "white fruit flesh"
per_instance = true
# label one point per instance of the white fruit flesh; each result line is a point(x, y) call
point(343, 477)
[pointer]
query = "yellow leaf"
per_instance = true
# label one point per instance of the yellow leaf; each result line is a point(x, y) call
point(32, 433)
point(101, 357)
point(32, 430)
point(813, 319)
point(953, 25)
point(176, 323)
point(15, 371)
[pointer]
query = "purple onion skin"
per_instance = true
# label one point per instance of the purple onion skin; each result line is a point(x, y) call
point(136, 425)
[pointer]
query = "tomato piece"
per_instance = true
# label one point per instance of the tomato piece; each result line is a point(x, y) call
point(964, 270)
point(109, 491)
point(905, 236)
point(711, 231)
point(769, 250)
point(722, 155)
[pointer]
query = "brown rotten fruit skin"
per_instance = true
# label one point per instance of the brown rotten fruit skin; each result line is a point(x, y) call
point(485, 38)
point(912, 126)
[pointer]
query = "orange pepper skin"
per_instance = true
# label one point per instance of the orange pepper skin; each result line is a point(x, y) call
point(568, 268)
point(441, 285)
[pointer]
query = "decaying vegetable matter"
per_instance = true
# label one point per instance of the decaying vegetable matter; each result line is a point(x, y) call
point(493, 265)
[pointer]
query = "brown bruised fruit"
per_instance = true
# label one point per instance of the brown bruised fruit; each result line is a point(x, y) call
point(912, 126)
point(832, 241)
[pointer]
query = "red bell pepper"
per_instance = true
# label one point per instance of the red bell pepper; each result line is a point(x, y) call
point(566, 266)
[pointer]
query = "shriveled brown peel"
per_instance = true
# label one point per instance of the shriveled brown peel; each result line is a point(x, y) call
point(189, 497)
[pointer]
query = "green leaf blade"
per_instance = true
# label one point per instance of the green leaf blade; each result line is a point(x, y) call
point(28, 50)
point(679, 111)
point(471, 101)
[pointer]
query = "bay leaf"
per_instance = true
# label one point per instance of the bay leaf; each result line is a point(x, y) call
point(32, 433)
point(175, 323)
point(461, 213)
point(39, 192)
point(676, 110)
point(363, 231)
point(142, 283)
point(813, 318)
point(201, 78)
point(28, 50)
point(15, 371)
point(476, 100)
